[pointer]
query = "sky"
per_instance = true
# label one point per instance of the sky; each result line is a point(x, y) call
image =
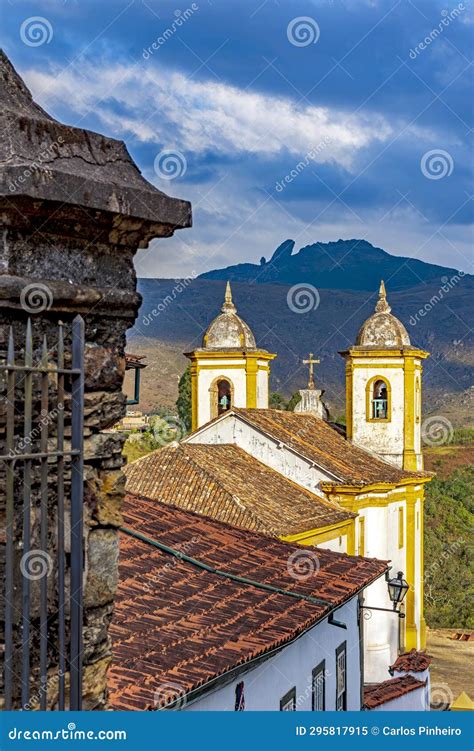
point(306, 120)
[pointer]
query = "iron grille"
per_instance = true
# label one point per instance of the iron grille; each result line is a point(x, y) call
point(41, 469)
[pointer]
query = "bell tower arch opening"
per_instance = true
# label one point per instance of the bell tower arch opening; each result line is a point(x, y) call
point(228, 370)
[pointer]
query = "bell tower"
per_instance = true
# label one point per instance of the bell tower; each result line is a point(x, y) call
point(229, 370)
point(383, 389)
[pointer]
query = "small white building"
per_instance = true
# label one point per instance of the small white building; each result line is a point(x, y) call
point(214, 617)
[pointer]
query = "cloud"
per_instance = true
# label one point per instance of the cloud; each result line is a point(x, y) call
point(169, 108)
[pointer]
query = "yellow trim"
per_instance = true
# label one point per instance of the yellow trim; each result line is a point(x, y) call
point(349, 398)
point(222, 354)
point(409, 454)
point(421, 543)
point(401, 525)
point(251, 382)
point(378, 353)
point(194, 396)
point(361, 540)
point(324, 534)
point(411, 635)
point(368, 399)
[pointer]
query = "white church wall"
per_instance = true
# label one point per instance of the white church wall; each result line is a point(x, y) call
point(338, 545)
point(262, 385)
point(266, 684)
point(275, 455)
point(384, 438)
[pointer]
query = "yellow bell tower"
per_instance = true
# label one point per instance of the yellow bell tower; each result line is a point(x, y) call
point(383, 389)
point(229, 370)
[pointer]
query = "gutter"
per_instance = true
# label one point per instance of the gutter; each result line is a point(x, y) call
point(228, 676)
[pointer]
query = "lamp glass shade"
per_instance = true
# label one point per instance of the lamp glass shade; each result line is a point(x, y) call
point(397, 589)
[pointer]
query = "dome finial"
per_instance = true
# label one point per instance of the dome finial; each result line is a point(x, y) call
point(382, 304)
point(228, 306)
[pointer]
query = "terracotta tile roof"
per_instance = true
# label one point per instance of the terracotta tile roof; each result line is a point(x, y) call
point(376, 694)
point(321, 443)
point(413, 661)
point(225, 482)
point(176, 627)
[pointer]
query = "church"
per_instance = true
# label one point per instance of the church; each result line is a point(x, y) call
point(298, 477)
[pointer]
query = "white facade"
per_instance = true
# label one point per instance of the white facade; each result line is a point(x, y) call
point(207, 377)
point(260, 445)
point(381, 530)
point(266, 684)
point(385, 438)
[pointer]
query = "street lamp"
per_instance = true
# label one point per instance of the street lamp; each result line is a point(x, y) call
point(397, 589)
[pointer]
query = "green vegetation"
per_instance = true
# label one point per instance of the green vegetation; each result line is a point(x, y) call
point(162, 430)
point(462, 436)
point(277, 401)
point(449, 581)
point(183, 402)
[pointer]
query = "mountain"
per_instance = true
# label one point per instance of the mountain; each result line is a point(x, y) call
point(345, 264)
point(437, 313)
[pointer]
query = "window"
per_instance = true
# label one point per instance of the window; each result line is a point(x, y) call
point(400, 527)
point(341, 687)
point(361, 546)
point(319, 688)
point(288, 703)
point(222, 396)
point(239, 697)
point(378, 399)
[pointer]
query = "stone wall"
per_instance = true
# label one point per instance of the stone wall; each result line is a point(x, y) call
point(71, 222)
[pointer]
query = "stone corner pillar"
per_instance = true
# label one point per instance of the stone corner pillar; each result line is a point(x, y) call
point(74, 210)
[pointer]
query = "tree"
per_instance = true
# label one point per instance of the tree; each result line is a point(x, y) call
point(183, 402)
point(294, 400)
point(276, 401)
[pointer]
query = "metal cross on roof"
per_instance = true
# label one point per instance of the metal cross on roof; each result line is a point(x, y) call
point(311, 362)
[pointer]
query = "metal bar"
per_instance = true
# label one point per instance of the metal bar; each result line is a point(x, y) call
point(25, 634)
point(60, 545)
point(77, 488)
point(10, 514)
point(44, 556)
point(40, 369)
point(38, 455)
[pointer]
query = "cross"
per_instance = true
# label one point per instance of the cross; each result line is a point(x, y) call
point(310, 362)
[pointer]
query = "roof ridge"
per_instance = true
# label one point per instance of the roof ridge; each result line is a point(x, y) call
point(225, 574)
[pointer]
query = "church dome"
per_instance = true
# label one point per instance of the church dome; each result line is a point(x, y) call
point(382, 329)
point(228, 331)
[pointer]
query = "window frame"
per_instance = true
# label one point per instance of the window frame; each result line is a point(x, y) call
point(318, 670)
point(341, 650)
point(289, 696)
point(369, 399)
